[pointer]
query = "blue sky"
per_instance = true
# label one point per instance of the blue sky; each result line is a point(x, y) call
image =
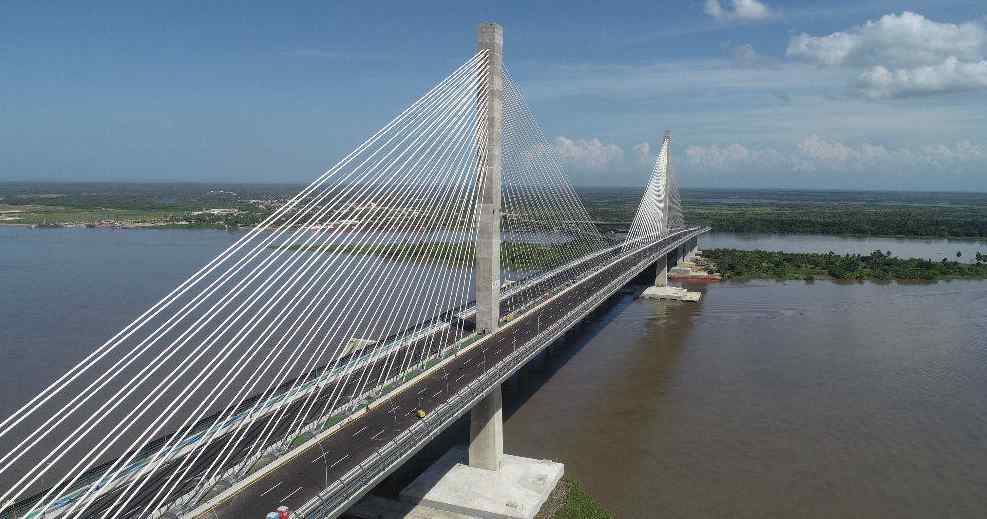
point(758, 93)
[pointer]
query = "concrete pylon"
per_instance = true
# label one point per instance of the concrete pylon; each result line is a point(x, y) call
point(486, 449)
point(488, 232)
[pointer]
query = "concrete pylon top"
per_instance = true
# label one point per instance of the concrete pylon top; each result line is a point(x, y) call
point(491, 35)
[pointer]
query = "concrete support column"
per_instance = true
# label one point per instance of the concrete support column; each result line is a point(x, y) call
point(487, 432)
point(486, 449)
point(661, 276)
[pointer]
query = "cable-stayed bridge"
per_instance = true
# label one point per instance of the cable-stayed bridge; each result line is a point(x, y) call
point(332, 341)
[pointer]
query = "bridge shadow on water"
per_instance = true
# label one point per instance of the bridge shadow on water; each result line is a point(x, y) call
point(521, 386)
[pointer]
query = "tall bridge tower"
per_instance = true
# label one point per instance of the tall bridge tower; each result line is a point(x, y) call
point(486, 449)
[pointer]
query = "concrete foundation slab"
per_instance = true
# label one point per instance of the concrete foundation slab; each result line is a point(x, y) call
point(671, 293)
point(516, 491)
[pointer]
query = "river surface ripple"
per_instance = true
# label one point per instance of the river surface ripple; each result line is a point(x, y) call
point(774, 400)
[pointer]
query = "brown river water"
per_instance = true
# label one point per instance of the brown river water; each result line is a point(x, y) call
point(772, 400)
point(764, 400)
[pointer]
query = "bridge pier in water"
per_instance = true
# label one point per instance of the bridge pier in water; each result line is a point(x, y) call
point(661, 271)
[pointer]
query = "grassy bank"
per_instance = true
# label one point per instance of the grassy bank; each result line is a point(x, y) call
point(880, 266)
point(570, 500)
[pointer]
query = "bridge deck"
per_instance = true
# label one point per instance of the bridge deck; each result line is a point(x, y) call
point(353, 448)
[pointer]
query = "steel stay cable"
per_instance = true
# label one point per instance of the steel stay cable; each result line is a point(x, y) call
point(475, 167)
point(48, 426)
point(279, 324)
point(370, 255)
point(30, 407)
point(429, 274)
point(296, 233)
point(378, 346)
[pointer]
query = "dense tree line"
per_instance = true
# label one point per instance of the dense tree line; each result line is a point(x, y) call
point(878, 265)
point(888, 221)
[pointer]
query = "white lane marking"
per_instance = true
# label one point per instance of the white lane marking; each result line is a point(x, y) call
point(374, 437)
point(276, 485)
point(437, 393)
point(422, 390)
point(320, 457)
point(460, 377)
point(360, 431)
point(338, 461)
point(293, 492)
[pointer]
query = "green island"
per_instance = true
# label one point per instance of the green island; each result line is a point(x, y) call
point(878, 266)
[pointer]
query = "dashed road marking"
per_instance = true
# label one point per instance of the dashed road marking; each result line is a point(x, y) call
point(293, 492)
point(320, 457)
point(268, 491)
point(374, 437)
point(337, 462)
point(364, 428)
point(437, 393)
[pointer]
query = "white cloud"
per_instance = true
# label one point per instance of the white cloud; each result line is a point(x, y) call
point(902, 54)
point(589, 154)
point(895, 40)
point(642, 152)
point(950, 76)
point(738, 10)
point(815, 153)
point(727, 156)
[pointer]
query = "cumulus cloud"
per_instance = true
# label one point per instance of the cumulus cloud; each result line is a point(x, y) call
point(900, 40)
point(726, 156)
point(831, 153)
point(816, 153)
point(589, 154)
point(738, 10)
point(642, 152)
point(902, 54)
point(952, 75)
